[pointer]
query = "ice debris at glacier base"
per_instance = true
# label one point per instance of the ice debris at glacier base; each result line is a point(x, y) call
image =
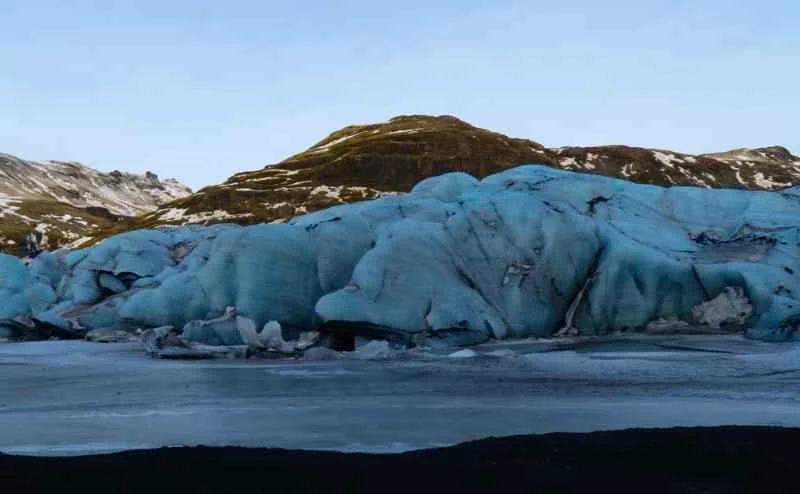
point(456, 261)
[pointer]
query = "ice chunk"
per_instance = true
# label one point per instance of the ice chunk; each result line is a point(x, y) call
point(465, 353)
point(321, 353)
point(271, 337)
point(218, 331)
point(731, 307)
point(167, 343)
point(374, 350)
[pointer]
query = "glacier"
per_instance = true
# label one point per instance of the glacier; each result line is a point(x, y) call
point(529, 252)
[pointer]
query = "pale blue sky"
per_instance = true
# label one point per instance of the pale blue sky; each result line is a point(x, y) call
point(199, 90)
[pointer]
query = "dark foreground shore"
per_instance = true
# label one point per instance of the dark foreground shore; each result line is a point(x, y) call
point(709, 459)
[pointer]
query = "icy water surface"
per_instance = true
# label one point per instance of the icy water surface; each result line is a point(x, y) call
point(74, 397)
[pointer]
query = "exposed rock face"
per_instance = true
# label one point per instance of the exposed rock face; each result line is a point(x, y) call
point(368, 161)
point(527, 252)
point(46, 205)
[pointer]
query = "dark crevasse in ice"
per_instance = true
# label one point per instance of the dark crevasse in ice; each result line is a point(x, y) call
point(532, 251)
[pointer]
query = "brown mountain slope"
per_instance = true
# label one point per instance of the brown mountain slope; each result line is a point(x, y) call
point(761, 168)
point(366, 161)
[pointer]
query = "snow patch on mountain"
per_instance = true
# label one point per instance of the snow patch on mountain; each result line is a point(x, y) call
point(768, 184)
point(177, 215)
point(668, 159)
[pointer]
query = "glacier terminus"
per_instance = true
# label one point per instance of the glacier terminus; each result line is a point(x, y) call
point(529, 252)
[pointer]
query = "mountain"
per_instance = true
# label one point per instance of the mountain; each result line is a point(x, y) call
point(366, 161)
point(355, 163)
point(49, 204)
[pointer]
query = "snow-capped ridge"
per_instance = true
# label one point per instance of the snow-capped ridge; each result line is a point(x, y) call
point(72, 200)
point(122, 193)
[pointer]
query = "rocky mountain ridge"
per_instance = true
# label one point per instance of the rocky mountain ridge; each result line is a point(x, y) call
point(51, 204)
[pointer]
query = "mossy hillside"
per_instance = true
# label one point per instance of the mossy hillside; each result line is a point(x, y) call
point(361, 162)
point(64, 224)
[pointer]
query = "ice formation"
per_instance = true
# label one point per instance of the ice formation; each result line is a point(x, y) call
point(532, 251)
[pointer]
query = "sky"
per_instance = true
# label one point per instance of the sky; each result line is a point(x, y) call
point(198, 90)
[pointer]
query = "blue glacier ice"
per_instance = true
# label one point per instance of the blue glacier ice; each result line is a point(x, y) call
point(532, 251)
point(16, 290)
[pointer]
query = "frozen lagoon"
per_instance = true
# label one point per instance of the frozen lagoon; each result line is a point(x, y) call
point(75, 397)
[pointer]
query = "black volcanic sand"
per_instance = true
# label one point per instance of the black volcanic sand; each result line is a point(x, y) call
point(709, 459)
